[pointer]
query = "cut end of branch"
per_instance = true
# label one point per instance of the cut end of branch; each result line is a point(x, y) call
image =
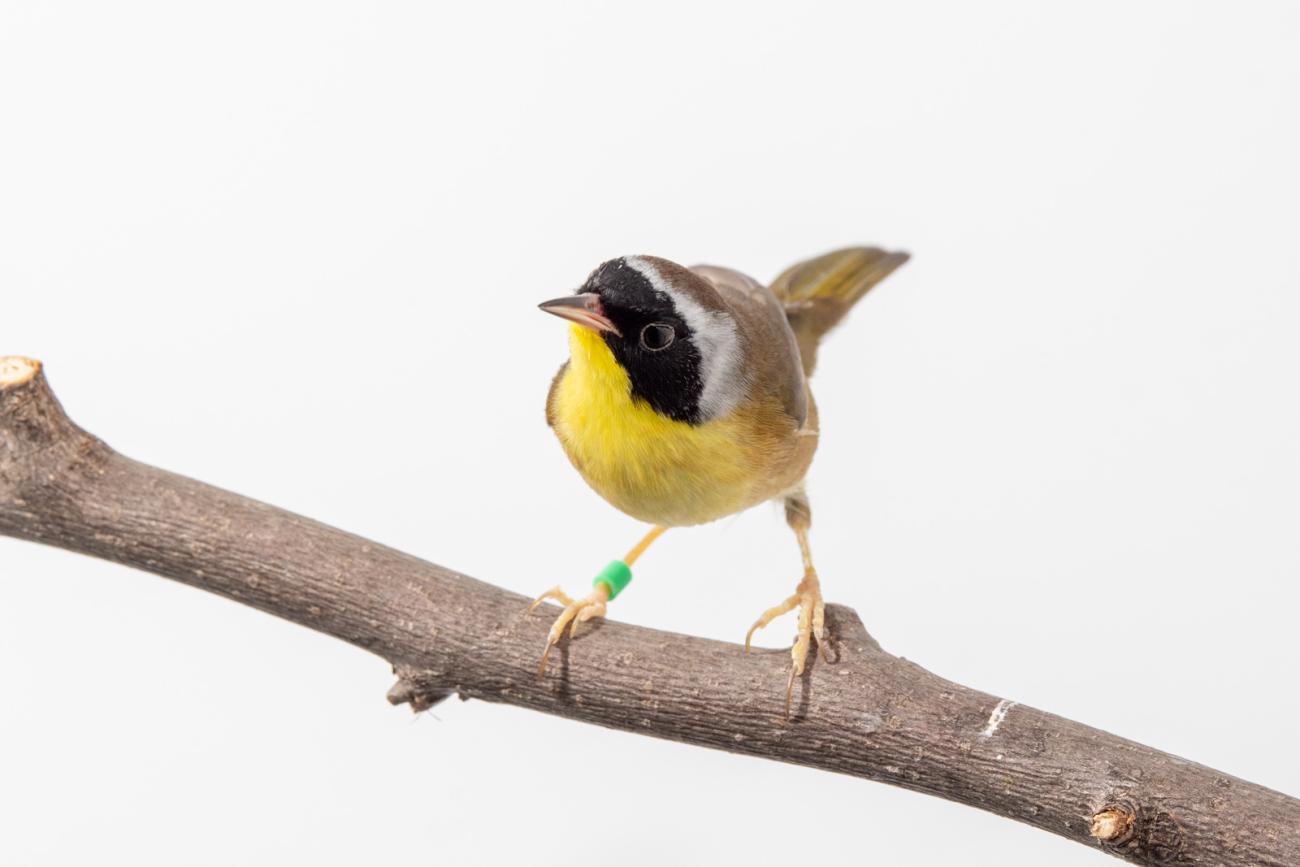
point(1112, 825)
point(17, 370)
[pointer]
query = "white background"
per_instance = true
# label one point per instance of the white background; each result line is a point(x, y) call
point(294, 250)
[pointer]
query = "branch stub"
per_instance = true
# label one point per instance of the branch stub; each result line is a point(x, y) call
point(1112, 825)
point(17, 370)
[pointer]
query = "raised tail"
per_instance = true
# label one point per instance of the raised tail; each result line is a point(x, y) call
point(817, 292)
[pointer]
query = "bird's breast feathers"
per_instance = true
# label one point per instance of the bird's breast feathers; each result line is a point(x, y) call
point(660, 470)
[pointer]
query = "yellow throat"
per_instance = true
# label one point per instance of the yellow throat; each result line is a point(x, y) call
point(653, 467)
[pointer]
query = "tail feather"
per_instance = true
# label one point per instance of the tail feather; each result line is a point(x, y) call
point(817, 292)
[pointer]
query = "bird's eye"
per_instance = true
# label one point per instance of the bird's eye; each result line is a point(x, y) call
point(657, 336)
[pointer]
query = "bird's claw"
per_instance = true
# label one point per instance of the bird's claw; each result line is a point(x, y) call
point(575, 612)
point(807, 597)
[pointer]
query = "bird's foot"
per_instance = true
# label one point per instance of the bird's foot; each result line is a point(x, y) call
point(807, 597)
point(575, 611)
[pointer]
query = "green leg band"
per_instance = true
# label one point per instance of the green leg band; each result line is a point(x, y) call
point(615, 577)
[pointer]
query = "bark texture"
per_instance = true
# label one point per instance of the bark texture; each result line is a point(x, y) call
point(865, 713)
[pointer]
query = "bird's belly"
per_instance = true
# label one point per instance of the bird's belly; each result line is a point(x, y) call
point(673, 475)
point(663, 471)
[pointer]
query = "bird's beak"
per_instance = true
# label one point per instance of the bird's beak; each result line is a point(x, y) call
point(584, 309)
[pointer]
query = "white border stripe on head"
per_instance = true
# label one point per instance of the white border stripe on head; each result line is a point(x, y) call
point(715, 337)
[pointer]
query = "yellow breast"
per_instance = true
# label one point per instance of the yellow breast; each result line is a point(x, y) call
point(652, 467)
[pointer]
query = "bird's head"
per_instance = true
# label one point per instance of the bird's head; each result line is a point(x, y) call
point(666, 329)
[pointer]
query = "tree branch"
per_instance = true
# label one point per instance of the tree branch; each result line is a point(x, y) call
point(866, 713)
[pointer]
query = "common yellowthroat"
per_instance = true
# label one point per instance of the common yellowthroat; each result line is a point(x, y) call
point(685, 398)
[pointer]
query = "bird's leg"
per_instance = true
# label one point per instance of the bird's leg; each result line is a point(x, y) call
point(639, 548)
point(807, 597)
point(593, 604)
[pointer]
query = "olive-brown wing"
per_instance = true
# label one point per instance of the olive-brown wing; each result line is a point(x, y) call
point(771, 355)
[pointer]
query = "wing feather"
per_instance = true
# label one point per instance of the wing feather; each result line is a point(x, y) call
point(772, 354)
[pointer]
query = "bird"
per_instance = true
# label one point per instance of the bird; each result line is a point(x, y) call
point(685, 399)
